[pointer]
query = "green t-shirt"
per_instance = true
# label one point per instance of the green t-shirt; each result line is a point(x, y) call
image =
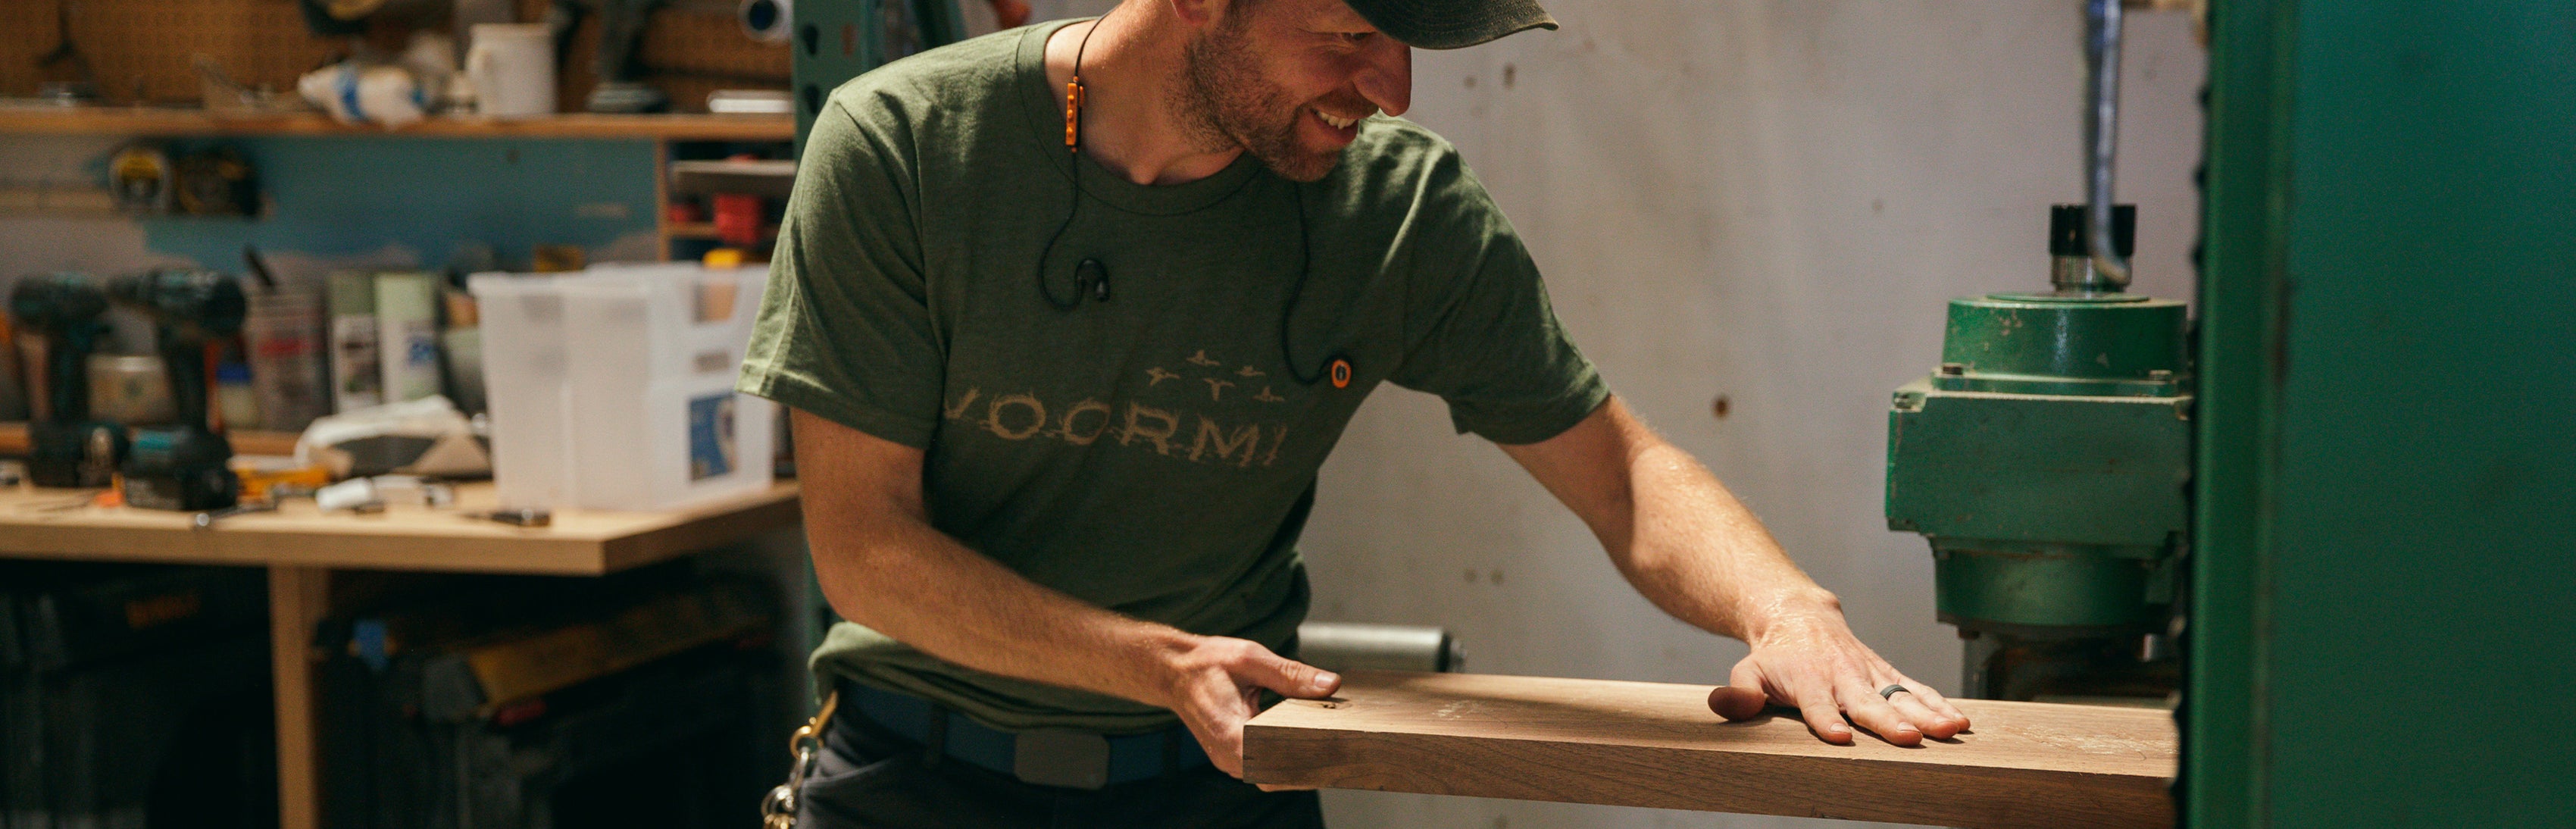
point(1154, 453)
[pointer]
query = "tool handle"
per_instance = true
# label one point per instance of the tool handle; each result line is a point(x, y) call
point(189, 377)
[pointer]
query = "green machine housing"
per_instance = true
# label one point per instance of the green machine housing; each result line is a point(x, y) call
point(2047, 458)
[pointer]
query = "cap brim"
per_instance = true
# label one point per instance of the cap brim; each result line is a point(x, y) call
point(1452, 24)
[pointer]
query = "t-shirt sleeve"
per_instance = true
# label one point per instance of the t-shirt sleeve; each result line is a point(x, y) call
point(845, 330)
point(1479, 330)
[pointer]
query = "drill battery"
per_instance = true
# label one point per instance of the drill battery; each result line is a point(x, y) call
point(182, 468)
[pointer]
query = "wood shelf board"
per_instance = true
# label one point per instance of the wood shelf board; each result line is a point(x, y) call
point(188, 122)
point(404, 537)
point(13, 441)
point(2033, 765)
point(773, 179)
point(707, 231)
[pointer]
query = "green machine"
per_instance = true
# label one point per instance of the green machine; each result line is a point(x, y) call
point(2047, 457)
point(2344, 534)
point(2046, 460)
point(2383, 593)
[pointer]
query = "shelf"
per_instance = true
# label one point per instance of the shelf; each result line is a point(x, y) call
point(52, 523)
point(707, 230)
point(13, 441)
point(774, 179)
point(179, 122)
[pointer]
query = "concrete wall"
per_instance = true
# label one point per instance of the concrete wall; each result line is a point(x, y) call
point(1768, 201)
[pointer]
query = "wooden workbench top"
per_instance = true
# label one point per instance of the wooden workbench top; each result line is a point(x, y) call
point(404, 537)
point(1649, 744)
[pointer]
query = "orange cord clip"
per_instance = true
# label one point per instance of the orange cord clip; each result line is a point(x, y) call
point(1073, 113)
point(1341, 374)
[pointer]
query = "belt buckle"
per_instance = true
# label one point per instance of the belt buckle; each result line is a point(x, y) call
point(1061, 757)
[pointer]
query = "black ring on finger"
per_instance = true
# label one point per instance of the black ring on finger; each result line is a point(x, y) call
point(1890, 692)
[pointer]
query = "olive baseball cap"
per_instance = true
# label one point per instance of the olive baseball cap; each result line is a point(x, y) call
point(1451, 24)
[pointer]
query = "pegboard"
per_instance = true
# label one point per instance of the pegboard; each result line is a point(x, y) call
point(142, 50)
point(693, 46)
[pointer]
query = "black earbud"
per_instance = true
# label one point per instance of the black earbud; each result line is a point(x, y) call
point(1091, 272)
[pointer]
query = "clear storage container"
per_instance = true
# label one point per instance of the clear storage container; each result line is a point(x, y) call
point(612, 388)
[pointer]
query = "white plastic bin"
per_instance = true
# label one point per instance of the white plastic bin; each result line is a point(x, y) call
point(608, 391)
point(526, 396)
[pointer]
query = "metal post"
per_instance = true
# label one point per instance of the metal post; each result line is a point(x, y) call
point(2102, 136)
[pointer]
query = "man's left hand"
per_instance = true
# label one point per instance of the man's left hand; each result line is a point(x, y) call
point(1813, 663)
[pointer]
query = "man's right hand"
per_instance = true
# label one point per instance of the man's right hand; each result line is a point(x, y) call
point(1216, 685)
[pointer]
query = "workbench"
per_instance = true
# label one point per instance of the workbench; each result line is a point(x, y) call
point(2021, 765)
point(302, 548)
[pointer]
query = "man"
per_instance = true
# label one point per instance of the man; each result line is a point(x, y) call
point(1069, 317)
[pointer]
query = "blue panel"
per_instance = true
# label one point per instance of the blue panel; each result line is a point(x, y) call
point(345, 195)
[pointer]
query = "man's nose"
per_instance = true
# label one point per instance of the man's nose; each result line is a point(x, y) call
point(1386, 78)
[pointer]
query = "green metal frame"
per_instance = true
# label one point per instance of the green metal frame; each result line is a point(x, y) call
point(832, 42)
point(2384, 608)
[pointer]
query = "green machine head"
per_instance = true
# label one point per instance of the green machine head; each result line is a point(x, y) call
point(2046, 459)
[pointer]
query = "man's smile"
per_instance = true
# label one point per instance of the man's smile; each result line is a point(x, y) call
point(1340, 128)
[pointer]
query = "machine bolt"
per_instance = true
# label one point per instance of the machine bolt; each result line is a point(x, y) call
point(1953, 369)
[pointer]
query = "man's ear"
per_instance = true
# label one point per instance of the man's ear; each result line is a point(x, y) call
point(1200, 14)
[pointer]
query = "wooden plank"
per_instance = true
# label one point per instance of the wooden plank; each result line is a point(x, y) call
point(298, 598)
point(149, 121)
point(2033, 765)
point(404, 537)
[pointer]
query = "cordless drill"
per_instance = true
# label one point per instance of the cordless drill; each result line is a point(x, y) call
point(181, 466)
point(58, 316)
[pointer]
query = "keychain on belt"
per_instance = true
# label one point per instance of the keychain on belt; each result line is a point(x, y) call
point(778, 810)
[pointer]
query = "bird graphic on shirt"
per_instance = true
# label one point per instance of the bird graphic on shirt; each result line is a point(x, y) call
point(1201, 359)
point(1266, 397)
point(1159, 376)
point(1216, 387)
point(1249, 371)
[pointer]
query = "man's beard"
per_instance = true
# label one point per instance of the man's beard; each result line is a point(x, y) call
point(1225, 102)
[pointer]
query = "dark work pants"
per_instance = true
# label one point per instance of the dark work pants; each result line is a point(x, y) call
point(870, 777)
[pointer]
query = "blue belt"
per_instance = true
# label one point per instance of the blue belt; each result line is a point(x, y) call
point(1046, 757)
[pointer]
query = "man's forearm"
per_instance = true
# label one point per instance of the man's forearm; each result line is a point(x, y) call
point(1686, 543)
point(1701, 555)
point(906, 579)
point(884, 565)
point(928, 590)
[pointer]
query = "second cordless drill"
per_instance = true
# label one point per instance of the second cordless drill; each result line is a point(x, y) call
point(181, 466)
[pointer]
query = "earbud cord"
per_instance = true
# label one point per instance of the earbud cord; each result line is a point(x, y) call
point(1074, 100)
point(1297, 290)
point(1073, 103)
